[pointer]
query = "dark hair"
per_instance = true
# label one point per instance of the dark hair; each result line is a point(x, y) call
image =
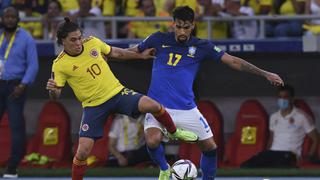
point(10, 7)
point(287, 88)
point(57, 3)
point(65, 28)
point(184, 13)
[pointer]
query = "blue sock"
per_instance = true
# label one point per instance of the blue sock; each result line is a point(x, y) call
point(208, 164)
point(157, 155)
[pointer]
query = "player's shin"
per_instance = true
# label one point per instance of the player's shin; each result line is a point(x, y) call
point(78, 168)
point(208, 164)
point(165, 119)
point(157, 155)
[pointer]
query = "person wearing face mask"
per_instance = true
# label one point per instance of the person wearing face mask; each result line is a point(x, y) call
point(19, 67)
point(288, 127)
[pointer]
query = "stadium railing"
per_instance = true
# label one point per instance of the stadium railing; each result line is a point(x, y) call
point(260, 44)
point(209, 20)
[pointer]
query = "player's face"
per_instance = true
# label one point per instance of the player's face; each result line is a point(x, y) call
point(73, 43)
point(182, 30)
point(10, 19)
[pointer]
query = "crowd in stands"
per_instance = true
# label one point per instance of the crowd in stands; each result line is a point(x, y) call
point(245, 29)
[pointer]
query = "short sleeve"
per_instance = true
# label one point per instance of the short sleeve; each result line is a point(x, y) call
point(212, 52)
point(308, 126)
point(104, 47)
point(149, 42)
point(272, 122)
point(57, 74)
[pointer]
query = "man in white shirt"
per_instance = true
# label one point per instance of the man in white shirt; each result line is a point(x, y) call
point(126, 141)
point(288, 127)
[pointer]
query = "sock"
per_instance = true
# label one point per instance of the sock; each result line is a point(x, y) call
point(208, 164)
point(78, 168)
point(165, 119)
point(157, 155)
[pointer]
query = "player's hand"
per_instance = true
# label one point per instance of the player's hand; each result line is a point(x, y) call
point(149, 53)
point(274, 79)
point(17, 91)
point(123, 161)
point(51, 85)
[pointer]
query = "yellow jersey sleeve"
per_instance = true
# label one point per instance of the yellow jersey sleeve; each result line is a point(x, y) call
point(57, 74)
point(104, 47)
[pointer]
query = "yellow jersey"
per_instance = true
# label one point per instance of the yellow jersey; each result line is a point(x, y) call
point(88, 74)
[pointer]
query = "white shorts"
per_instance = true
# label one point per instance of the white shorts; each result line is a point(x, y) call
point(191, 120)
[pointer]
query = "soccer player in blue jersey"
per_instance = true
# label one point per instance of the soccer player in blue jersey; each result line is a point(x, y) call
point(178, 57)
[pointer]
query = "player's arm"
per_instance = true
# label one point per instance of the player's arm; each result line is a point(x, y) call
point(313, 135)
point(122, 160)
point(134, 49)
point(54, 90)
point(270, 140)
point(124, 54)
point(242, 65)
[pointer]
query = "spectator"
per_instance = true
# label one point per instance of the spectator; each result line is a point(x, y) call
point(4, 4)
point(94, 28)
point(288, 127)
point(54, 11)
point(219, 28)
point(19, 66)
point(69, 5)
point(289, 28)
point(141, 29)
point(126, 141)
point(35, 28)
point(313, 26)
point(242, 29)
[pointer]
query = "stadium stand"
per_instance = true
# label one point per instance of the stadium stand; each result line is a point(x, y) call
point(100, 151)
point(215, 121)
point(250, 135)
point(5, 140)
point(51, 144)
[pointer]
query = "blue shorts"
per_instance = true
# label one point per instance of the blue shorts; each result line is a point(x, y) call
point(94, 118)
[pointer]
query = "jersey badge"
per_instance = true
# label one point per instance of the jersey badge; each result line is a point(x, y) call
point(192, 51)
point(94, 53)
point(85, 127)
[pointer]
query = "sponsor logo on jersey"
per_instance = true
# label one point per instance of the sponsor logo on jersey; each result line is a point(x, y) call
point(217, 49)
point(74, 67)
point(165, 46)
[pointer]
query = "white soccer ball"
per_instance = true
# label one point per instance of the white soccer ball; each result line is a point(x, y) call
point(184, 169)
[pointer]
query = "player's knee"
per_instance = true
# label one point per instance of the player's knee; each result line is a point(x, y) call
point(153, 139)
point(82, 154)
point(148, 105)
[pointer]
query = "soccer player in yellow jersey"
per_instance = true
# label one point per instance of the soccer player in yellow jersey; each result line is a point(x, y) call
point(82, 65)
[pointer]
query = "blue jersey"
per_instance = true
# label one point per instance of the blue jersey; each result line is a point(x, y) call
point(175, 67)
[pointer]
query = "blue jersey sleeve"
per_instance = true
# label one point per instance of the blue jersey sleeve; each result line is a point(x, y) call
point(213, 52)
point(149, 42)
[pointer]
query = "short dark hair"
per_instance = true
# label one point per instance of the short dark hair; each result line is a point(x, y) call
point(184, 13)
point(10, 7)
point(65, 28)
point(288, 88)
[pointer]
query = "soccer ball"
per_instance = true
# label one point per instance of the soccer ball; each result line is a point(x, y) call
point(184, 169)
